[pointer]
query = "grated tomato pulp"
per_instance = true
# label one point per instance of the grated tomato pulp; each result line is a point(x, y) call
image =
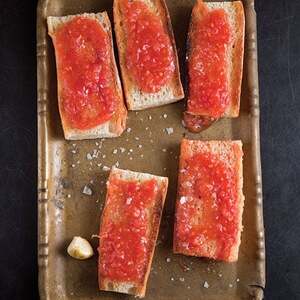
point(208, 64)
point(149, 51)
point(84, 69)
point(124, 238)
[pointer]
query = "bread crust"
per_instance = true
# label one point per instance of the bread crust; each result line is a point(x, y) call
point(135, 98)
point(235, 12)
point(117, 124)
point(188, 149)
point(136, 288)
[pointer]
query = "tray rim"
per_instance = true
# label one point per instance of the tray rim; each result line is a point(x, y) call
point(256, 291)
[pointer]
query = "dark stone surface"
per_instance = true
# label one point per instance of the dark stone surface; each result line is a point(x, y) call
point(279, 71)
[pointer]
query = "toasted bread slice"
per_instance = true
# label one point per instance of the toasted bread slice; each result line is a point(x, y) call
point(210, 200)
point(136, 98)
point(117, 124)
point(130, 222)
point(234, 56)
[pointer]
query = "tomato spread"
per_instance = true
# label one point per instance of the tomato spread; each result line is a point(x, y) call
point(149, 51)
point(84, 69)
point(208, 65)
point(124, 237)
point(207, 208)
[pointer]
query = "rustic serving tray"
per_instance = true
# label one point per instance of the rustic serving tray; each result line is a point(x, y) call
point(66, 167)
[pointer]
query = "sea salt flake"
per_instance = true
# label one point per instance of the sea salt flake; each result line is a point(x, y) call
point(169, 130)
point(183, 200)
point(87, 190)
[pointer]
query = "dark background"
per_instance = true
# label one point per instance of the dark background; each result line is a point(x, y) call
point(279, 74)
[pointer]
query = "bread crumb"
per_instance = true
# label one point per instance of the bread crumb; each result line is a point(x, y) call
point(97, 144)
point(130, 158)
point(122, 149)
point(169, 130)
point(89, 156)
point(78, 162)
point(181, 279)
point(105, 168)
point(115, 151)
point(164, 150)
point(74, 145)
point(103, 156)
point(220, 275)
point(137, 138)
point(74, 151)
point(147, 128)
point(150, 117)
point(230, 285)
point(140, 146)
point(128, 129)
point(131, 150)
point(87, 190)
point(99, 165)
point(188, 287)
point(142, 155)
point(237, 280)
point(206, 285)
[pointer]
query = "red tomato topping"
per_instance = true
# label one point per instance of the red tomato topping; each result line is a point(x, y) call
point(207, 212)
point(208, 82)
point(124, 238)
point(149, 51)
point(84, 68)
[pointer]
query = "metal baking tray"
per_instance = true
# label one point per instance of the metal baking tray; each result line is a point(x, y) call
point(66, 167)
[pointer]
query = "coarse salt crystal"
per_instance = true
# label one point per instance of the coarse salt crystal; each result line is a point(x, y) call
point(172, 278)
point(122, 149)
point(73, 165)
point(137, 138)
point(69, 196)
point(164, 150)
point(230, 285)
point(206, 285)
point(73, 151)
point(115, 151)
point(183, 200)
point(129, 200)
point(87, 190)
point(165, 116)
point(128, 129)
point(237, 280)
point(140, 146)
point(168, 259)
point(169, 130)
point(150, 117)
point(89, 156)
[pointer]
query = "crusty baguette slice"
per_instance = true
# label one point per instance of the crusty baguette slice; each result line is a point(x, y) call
point(117, 124)
point(137, 99)
point(229, 154)
point(234, 53)
point(154, 212)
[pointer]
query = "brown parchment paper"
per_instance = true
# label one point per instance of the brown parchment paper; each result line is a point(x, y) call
point(66, 167)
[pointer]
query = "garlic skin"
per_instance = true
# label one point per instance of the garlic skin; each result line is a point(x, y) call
point(80, 248)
